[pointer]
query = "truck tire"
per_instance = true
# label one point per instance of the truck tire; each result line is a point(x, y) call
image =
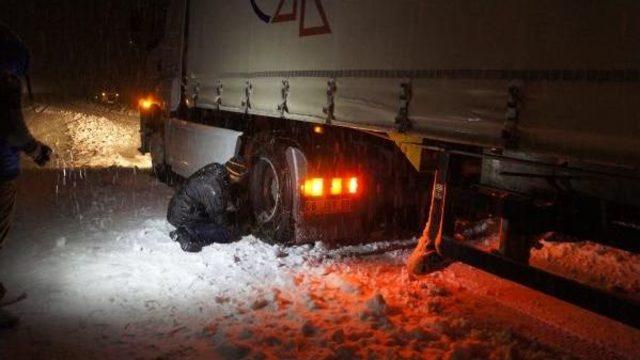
point(158, 163)
point(150, 123)
point(145, 134)
point(271, 194)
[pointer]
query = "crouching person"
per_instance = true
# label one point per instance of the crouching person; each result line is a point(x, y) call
point(211, 207)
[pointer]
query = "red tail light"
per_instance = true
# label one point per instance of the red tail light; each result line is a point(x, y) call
point(315, 187)
point(336, 186)
point(353, 186)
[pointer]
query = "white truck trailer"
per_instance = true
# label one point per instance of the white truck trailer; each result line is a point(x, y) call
point(368, 118)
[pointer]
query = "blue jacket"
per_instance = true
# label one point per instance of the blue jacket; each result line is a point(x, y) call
point(14, 135)
point(9, 162)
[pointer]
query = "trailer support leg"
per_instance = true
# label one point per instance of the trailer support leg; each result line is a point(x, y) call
point(426, 257)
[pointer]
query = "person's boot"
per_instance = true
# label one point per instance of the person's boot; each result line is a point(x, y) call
point(186, 241)
point(190, 246)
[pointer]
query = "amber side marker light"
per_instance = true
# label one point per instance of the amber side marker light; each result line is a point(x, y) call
point(313, 187)
point(145, 104)
point(318, 130)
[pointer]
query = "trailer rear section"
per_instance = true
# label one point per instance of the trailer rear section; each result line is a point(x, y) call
point(363, 119)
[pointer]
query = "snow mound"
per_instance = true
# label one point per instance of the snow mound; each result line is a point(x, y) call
point(85, 136)
point(617, 270)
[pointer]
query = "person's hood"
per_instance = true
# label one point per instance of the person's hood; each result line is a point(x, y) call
point(236, 167)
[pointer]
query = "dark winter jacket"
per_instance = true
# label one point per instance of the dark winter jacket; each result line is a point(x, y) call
point(14, 55)
point(203, 198)
point(14, 134)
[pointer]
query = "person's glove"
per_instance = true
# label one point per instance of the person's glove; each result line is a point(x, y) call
point(41, 154)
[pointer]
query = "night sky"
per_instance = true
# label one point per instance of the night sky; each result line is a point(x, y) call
point(77, 45)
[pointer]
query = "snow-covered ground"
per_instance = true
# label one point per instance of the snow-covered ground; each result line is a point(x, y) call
point(87, 135)
point(597, 265)
point(91, 248)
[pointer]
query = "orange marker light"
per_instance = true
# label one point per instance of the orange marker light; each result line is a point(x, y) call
point(336, 186)
point(352, 186)
point(314, 187)
point(145, 104)
point(318, 130)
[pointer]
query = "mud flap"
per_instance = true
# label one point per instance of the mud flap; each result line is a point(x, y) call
point(297, 163)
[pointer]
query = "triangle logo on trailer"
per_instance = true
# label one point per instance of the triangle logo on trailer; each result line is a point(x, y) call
point(292, 12)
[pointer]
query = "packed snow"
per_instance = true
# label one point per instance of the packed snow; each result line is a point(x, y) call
point(617, 270)
point(86, 135)
point(597, 265)
point(104, 278)
point(90, 246)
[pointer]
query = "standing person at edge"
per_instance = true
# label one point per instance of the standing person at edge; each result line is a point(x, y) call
point(14, 138)
point(211, 207)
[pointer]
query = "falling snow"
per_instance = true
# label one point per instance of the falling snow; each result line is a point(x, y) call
point(105, 280)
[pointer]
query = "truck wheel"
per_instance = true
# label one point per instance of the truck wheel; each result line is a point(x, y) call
point(144, 135)
point(150, 123)
point(160, 168)
point(271, 195)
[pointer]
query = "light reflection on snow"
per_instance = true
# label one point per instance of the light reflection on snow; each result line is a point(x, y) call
point(86, 135)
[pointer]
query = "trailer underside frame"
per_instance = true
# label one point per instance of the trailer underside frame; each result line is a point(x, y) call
point(598, 301)
point(521, 218)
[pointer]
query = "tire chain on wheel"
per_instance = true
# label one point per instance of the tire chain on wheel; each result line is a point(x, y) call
point(279, 230)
